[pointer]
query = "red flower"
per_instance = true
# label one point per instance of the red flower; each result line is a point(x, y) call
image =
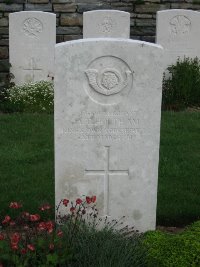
point(88, 200)
point(45, 207)
point(12, 223)
point(23, 251)
point(60, 233)
point(15, 205)
point(34, 218)
point(65, 202)
point(51, 246)
point(93, 199)
point(72, 209)
point(6, 219)
point(42, 226)
point(15, 238)
point(2, 237)
point(49, 227)
point(31, 247)
point(79, 201)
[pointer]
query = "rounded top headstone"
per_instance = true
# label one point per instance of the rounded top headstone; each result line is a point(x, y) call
point(106, 23)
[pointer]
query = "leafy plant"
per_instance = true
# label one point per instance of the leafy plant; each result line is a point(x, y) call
point(174, 250)
point(34, 240)
point(181, 85)
point(31, 97)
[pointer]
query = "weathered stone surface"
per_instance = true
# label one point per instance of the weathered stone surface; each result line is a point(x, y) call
point(11, 7)
point(106, 23)
point(3, 52)
point(178, 32)
point(89, 7)
point(185, 6)
point(64, 8)
point(38, 1)
point(3, 22)
point(143, 31)
point(71, 19)
point(145, 22)
point(151, 8)
point(123, 7)
point(32, 41)
point(39, 7)
point(4, 42)
point(69, 30)
point(62, 1)
point(4, 30)
point(107, 124)
point(72, 37)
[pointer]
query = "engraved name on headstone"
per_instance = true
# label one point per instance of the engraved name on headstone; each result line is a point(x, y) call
point(107, 125)
point(178, 32)
point(32, 38)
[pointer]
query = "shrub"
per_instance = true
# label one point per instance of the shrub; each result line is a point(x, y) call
point(35, 240)
point(174, 250)
point(181, 85)
point(31, 97)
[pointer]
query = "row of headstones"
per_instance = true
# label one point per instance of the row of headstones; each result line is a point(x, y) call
point(33, 37)
point(107, 98)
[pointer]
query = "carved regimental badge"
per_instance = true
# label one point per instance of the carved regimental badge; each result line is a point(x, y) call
point(32, 27)
point(109, 75)
point(107, 25)
point(180, 25)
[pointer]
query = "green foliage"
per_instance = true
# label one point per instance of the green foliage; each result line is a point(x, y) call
point(33, 240)
point(181, 85)
point(31, 97)
point(174, 250)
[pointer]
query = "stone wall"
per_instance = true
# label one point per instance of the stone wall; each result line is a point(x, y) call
point(69, 17)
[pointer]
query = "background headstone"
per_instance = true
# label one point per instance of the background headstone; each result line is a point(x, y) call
point(32, 38)
point(107, 126)
point(106, 23)
point(178, 32)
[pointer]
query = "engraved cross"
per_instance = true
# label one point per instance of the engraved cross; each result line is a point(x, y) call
point(32, 67)
point(106, 172)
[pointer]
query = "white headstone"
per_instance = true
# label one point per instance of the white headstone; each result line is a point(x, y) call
point(32, 38)
point(106, 23)
point(178, 32)
point(107, 126)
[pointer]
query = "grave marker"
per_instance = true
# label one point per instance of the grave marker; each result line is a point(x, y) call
point(179, 33)
point(32, 38)
point(107, 125)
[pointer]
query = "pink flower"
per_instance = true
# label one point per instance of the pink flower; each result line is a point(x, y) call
point(45, 207)
point(31, 247)
point(79, 201)
point(12, 223)
point(60, 233)
point(49, 226)
point(15, 205)
point(6, 219)
point(42, 226)
point(34, 217)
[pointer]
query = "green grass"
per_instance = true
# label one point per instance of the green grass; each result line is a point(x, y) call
point(179, 169)
point(26, 160)
point(27, 164)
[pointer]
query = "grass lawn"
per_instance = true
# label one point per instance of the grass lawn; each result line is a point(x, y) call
point(27, 164)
